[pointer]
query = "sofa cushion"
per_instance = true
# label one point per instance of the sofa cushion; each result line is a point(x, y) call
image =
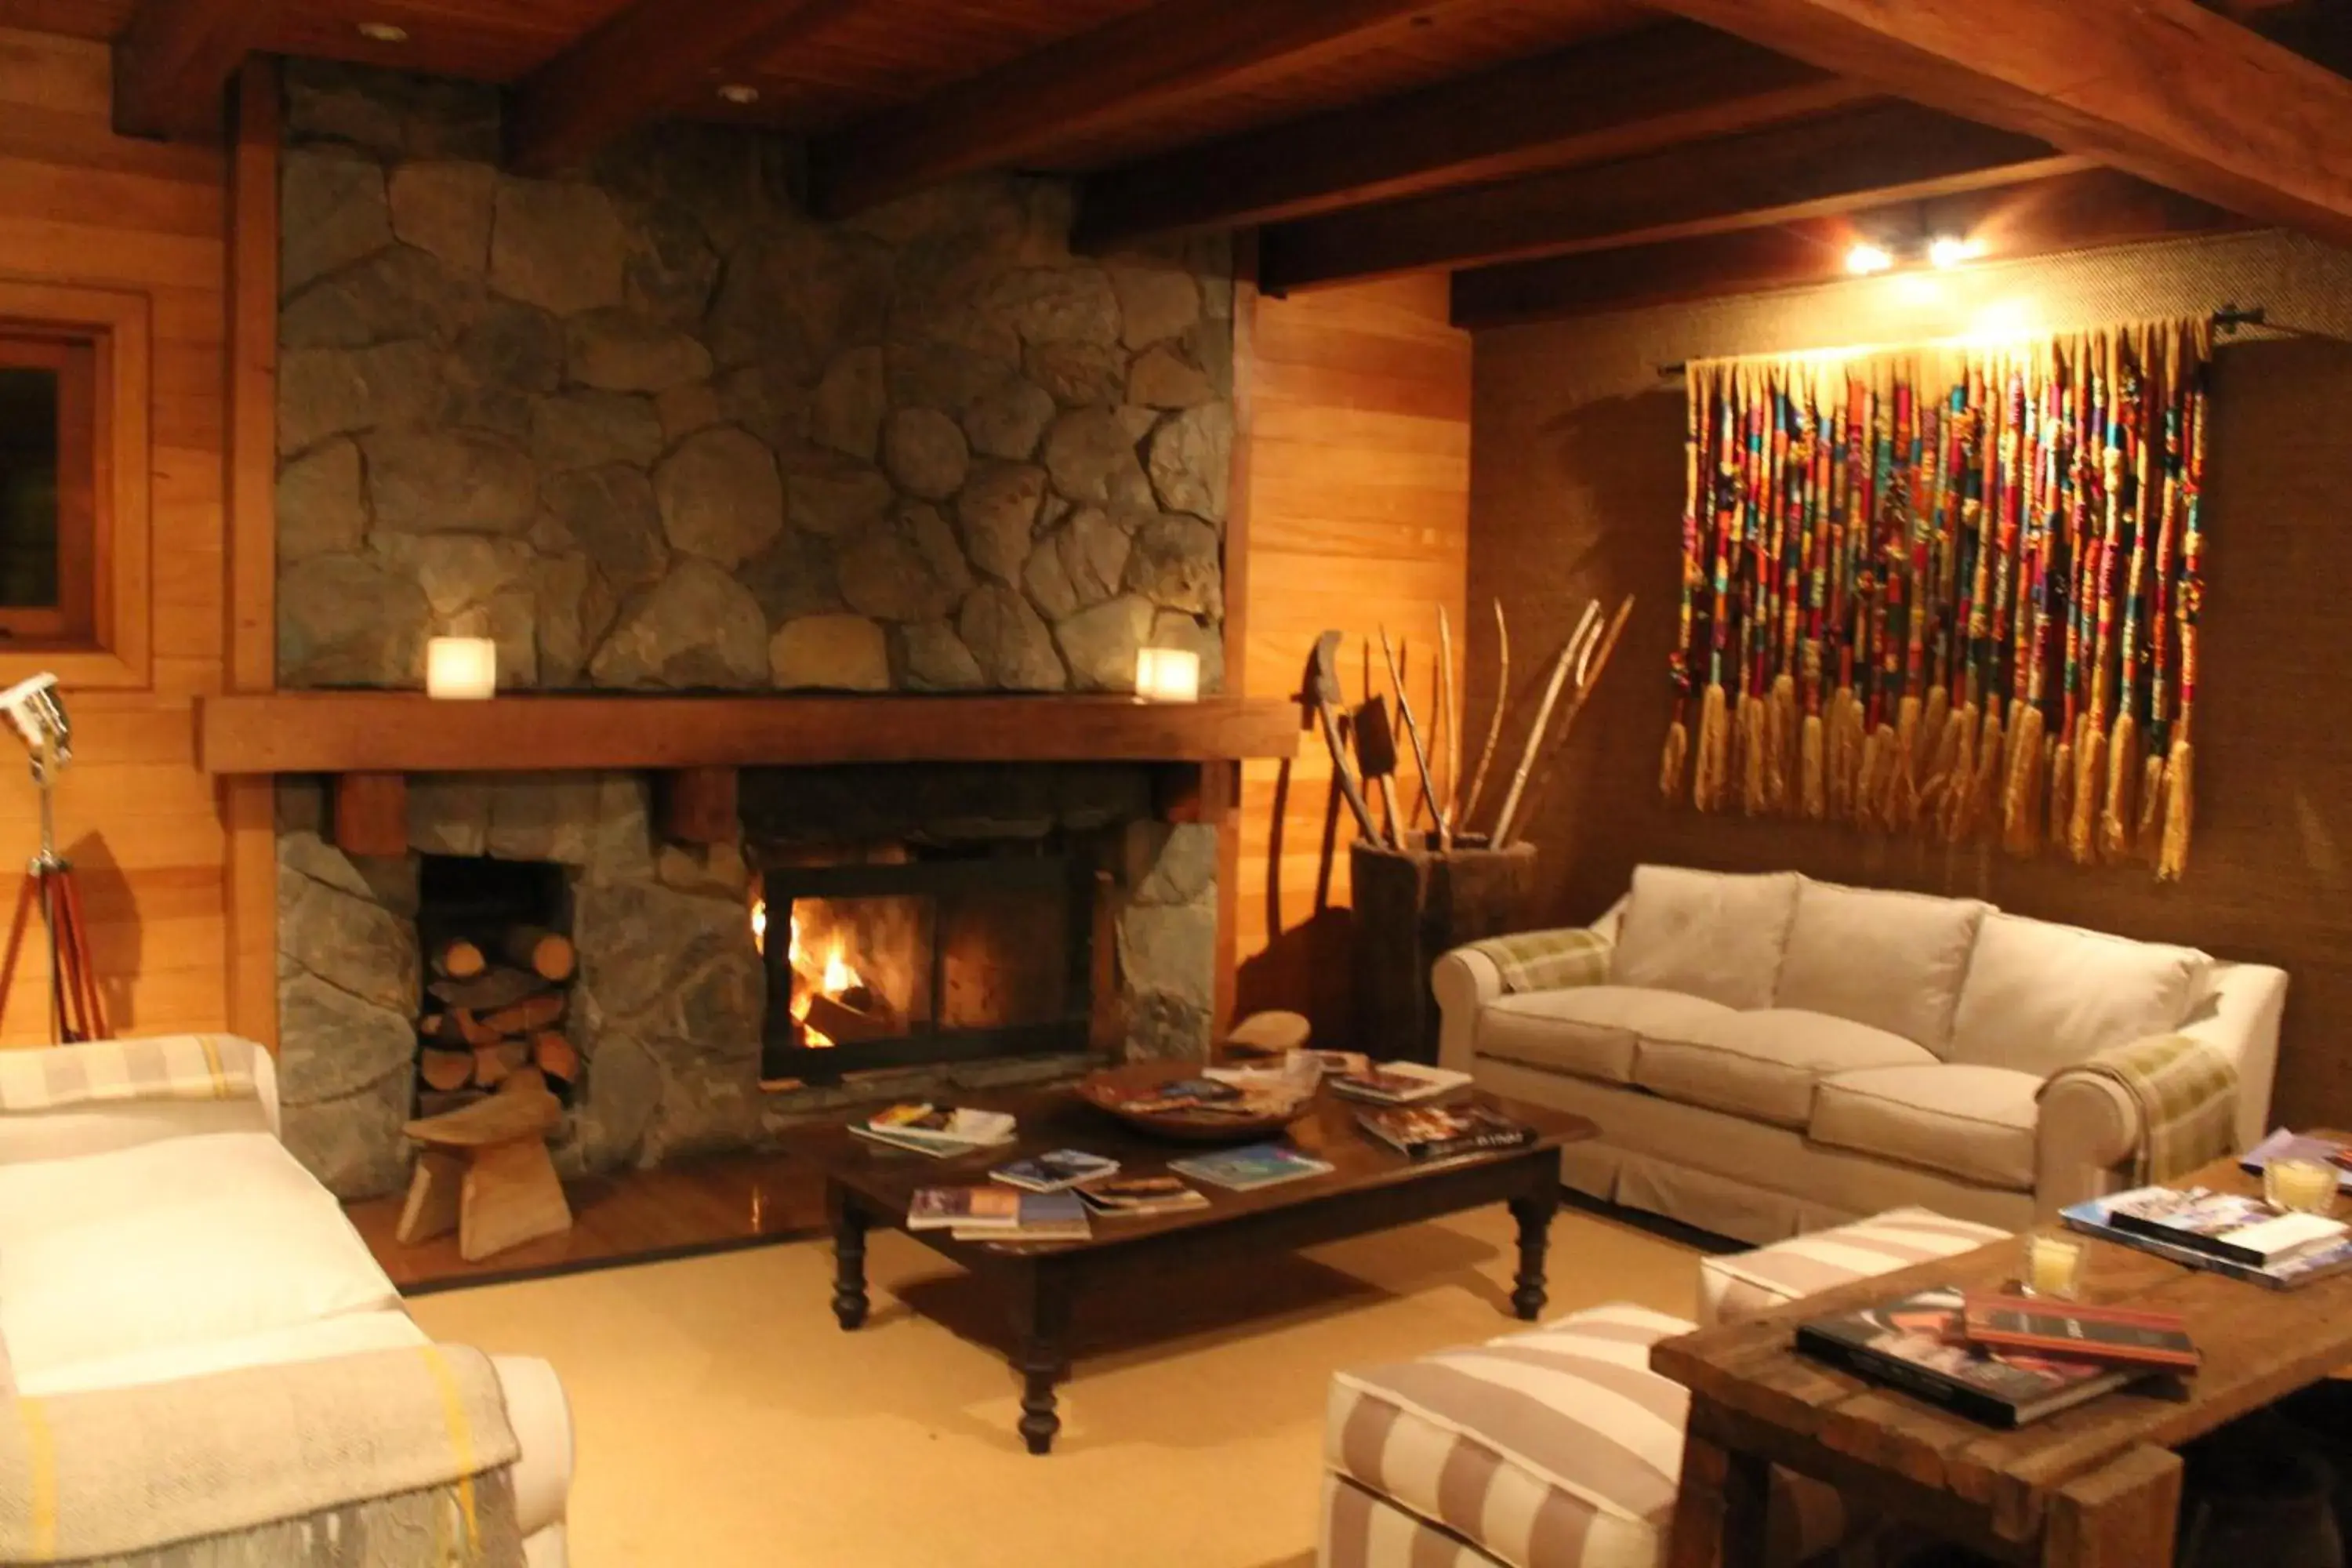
point(1894, 961)
point(1704, 933)
point(1764, 1065)
point(1589, 1030)
point(1736, 1285)
point(1970, 1121)
point(2041, 996)
point(1558, 1445)
point(346, 1335)
point(175, 1243)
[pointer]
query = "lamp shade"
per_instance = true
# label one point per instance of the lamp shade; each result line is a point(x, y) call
point(1167, 675)
point(466, 669)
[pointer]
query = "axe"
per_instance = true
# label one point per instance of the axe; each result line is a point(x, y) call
point(1323, 690)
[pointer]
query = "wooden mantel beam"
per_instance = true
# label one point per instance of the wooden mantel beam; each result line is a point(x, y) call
point(2071, 212)
point(640, 63)
point(1623, 96)
point(1866, 156)
point(172, 64)
point(2164, 88)
point(1143, 64)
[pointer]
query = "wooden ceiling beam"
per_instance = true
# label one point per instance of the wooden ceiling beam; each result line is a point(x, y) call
point(1674, 82)
point(174, 63)
point(1175, 52)
point(641, 63)
point(1862, 157)
point(2085, 211)
point(2165, 88)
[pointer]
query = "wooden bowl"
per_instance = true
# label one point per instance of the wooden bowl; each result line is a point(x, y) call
point(1113, 1089)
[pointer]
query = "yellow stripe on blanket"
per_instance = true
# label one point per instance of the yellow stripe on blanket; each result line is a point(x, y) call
point(41, 1452)
point(461, 1438)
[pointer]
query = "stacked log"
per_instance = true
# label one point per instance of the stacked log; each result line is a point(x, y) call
point(493, 1013)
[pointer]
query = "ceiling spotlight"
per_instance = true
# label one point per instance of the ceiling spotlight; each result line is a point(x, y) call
point(383, 32)
point(1951, 250)
point(741, 94)
point(1865, 258)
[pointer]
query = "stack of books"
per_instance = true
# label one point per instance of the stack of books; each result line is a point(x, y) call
point(2242, 1238)
point(938, 1131)
point(1443, 1131)
point(999, 1213)
point(2002, 1360)
point(1134, 1196)
point(1399, 1083)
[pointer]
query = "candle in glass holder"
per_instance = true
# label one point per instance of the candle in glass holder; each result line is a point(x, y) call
point(462, 667)
point(2053, 1266)
point(2300, 1187)
point(1167, 675)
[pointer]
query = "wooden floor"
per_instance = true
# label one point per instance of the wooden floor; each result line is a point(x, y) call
point(632, 1216)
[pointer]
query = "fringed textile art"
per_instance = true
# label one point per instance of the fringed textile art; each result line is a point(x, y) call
point(1949, 592)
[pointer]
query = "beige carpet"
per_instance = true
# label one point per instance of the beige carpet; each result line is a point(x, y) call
point(724, 1419)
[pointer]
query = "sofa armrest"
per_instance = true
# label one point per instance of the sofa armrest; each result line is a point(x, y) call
point(542, 1418)
point(1466, 980)
point(99, 1126)
point(2091, 1130)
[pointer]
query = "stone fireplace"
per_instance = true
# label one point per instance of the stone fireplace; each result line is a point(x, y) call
point(651, 427)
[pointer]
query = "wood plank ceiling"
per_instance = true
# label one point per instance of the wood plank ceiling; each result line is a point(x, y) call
point(1554, 155)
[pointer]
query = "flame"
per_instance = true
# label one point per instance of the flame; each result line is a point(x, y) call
point(834, 977)
point(838, 976)
point(759, 924)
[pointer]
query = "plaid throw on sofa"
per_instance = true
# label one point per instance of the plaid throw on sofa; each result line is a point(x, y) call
point(2187, 1093)
point(1548, 960)
point(165, 1066)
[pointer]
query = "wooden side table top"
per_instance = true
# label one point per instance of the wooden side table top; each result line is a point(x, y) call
point(1753, 1393)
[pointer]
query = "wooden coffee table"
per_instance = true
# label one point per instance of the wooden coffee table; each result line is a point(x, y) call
point(1370, 1188)
point(2094, 1486)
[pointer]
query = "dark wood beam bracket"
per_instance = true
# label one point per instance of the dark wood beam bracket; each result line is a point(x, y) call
point(1665, 84)
point(2167, 91)
point(1860, 157)
point(2095, 208)
point(1142, 64)
point(174, 63)
point(643, 62)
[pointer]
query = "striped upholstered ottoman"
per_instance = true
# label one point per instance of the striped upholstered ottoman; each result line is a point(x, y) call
point(1556, 1449)
point(1742, 1284)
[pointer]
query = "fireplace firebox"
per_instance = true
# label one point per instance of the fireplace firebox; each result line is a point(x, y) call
point(917, 955)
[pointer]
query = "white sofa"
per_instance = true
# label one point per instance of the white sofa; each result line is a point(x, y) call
point(146, 1240)
point(1768, 1055)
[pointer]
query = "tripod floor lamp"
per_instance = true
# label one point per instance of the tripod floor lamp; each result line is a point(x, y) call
point(38, 718)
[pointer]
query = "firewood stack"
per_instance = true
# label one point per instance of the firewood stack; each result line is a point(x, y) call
point(491, 1011)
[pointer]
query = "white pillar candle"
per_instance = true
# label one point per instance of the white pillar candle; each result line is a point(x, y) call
point(1167, 675)
point(461, 668)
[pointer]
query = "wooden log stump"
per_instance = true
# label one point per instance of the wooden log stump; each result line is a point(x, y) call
point(546, 954)
point(1413, 906)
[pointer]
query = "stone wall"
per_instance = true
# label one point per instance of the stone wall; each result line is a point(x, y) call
point(652, 427)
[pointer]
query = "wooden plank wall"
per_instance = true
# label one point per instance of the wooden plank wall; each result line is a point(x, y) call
point(80, 206)
point(1359, 505)
point(1578, 493)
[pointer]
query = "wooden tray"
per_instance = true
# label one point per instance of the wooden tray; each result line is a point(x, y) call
point(1111, 1089)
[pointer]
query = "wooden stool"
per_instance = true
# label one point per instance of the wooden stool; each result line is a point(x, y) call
point(484, 1169)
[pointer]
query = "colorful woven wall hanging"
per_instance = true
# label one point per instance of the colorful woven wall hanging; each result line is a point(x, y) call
point(1949, 592)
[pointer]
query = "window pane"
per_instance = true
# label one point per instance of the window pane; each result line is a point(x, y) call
point(28, 487)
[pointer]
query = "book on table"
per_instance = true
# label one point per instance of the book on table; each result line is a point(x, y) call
point(1039, 1217)
point(938, 1131)
point(1399, 1083)
point(943, 1208)
point(1247, 1169)
point(1443, 1131)
point(1053, 1170)
point(1136, 1195)
point(2114, 1336)
point(2091, 1218)
point(1915, 1343)
point(2234, 1228)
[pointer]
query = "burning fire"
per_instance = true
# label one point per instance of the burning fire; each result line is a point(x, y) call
point(834, 977)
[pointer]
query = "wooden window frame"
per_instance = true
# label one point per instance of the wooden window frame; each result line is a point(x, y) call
point(107, 645)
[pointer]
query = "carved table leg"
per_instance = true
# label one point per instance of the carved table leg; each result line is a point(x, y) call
point(850, 1300)
point(1533, 1211)
point(1041, 1324)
